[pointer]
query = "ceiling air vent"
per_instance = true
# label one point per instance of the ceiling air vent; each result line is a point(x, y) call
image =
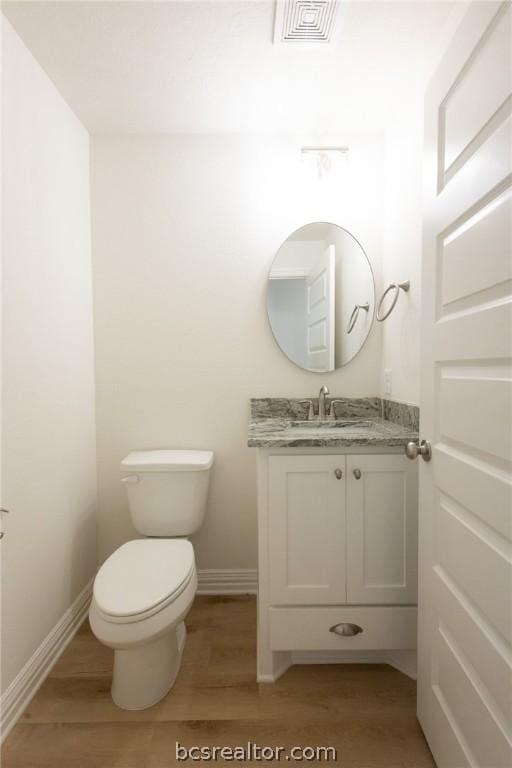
point(304, 21)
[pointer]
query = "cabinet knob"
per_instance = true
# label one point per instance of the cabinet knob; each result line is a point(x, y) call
point(357, 474)
point(338, 474)
point(346, 629)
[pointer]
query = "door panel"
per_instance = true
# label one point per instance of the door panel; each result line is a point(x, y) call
point(464, 116)
point(480, 642)
point(465, 590)
point(474, 482)
point(463, 272)
point(467, 548)
point(461, 691)
point(477, 96)
point(490, 388)
point(381, 529)
point(477, 335)
point(306, 530)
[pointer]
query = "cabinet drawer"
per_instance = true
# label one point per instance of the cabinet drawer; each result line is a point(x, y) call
point(307, 629)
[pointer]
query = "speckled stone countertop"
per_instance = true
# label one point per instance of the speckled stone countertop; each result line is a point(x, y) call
point(281, 423)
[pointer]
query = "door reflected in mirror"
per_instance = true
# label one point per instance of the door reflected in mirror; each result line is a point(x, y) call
point(321, 297)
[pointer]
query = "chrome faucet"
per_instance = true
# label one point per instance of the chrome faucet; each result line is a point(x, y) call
point(321, 402)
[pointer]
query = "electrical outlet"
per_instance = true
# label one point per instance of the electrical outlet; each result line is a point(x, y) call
point(388, 383)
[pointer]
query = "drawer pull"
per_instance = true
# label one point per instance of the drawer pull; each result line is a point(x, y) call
point(346, 629)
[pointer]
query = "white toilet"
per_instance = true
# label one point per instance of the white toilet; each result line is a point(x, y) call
point(144, 590)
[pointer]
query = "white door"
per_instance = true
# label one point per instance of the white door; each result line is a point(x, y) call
point(320, 313)
point(465, 591)
point(306, 510)
point(382, 532)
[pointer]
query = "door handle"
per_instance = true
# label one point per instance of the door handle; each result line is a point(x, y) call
point(357, 474)
point(338, 474)
point(424, 449)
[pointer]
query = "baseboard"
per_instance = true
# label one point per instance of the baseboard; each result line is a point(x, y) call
point(26, 683)
point(281, 663)
point(405, 661)
point(217, 581)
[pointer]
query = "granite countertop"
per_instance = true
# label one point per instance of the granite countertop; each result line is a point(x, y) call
point(280, 423)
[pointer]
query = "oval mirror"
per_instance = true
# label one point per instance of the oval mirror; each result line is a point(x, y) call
point(321, 297)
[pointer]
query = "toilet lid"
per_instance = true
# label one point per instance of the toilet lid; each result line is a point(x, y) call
point(141, 574)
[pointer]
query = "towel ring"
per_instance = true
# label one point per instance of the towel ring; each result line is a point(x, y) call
point(392, 287)
point(355, 313)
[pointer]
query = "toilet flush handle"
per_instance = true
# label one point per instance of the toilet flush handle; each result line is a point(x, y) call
point(130, 479)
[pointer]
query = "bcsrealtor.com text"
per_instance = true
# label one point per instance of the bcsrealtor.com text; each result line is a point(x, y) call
point(251, 752)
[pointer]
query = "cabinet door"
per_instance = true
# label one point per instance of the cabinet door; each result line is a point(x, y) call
point(382, 504)
point(306, 507)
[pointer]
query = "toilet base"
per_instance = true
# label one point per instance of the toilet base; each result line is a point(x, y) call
point(144, 675)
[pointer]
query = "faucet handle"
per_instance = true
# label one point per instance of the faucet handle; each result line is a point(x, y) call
point(311, 413)
point(332, 410)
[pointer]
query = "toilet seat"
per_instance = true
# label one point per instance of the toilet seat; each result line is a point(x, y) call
point(142, 577)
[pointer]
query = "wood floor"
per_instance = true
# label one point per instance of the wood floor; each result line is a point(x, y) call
point(366, 711)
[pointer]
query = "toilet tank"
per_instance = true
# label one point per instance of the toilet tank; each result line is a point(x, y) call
point(167, 490)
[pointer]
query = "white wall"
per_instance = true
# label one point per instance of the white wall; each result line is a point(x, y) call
point(401, 259)
point(184, 232)
point(48, 451)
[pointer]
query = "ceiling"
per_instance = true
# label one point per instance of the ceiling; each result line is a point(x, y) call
point(187, 66)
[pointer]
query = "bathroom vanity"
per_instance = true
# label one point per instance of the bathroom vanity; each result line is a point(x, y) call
point(337, 523)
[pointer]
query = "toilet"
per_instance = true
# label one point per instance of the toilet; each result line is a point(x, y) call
point(144, 590)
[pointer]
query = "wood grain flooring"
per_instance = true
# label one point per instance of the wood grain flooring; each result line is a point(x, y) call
point(367, 712)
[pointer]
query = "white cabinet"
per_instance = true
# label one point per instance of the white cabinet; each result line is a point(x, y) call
point(337, 544)
point(342, 529)
point(306, 504)
point(382, 501)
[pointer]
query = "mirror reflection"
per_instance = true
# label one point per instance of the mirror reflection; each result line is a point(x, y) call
point(321, 297)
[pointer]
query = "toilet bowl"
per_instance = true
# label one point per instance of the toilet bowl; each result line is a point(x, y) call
point(144, 590)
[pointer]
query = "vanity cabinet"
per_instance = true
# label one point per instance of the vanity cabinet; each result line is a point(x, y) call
point(337, 545)
point(342, 529)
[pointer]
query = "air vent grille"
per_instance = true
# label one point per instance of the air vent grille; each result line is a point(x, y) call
point(304, 21)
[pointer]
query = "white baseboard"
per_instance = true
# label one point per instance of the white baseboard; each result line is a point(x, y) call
point(26, 683)
point(404, 661)
point(217, 581)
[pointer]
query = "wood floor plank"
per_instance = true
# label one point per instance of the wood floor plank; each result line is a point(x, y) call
point(367, 712)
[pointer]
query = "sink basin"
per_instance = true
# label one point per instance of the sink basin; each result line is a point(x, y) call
point(329, 424)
